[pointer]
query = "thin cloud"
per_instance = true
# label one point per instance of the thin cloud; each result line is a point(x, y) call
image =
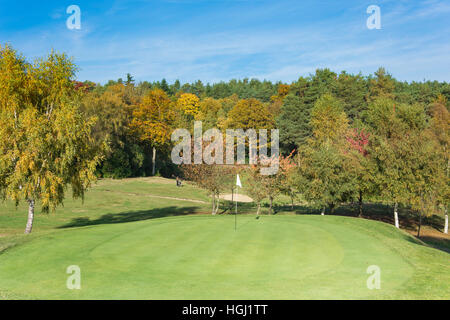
point(267, 42)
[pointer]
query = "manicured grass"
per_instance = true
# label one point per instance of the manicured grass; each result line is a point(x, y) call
point(202, 257)
point(111, 201)
point(136, 239)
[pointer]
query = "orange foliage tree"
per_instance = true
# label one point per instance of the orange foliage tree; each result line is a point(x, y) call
point(152, 120)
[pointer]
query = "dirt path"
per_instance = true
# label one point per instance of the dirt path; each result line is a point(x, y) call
point(173, 198)
point(155, 196)
point(240, 197)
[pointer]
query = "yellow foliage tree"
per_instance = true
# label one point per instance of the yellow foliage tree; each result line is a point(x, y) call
point(152, 120)
point(328, 120)
point(45, 141)
point(189, 103)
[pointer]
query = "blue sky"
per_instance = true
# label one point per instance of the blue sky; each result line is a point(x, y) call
point(215, 40)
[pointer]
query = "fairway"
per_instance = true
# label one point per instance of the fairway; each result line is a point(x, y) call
point(203, 257)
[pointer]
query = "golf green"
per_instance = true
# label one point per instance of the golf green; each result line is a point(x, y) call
point(204, 257)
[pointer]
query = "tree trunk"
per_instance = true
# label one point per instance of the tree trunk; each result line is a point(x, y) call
point(446, 221)
point(213, 204)
point(360, 200)
point(292, 204)
point(271, 204)
point(332, 206)
point(323, 211)
point(154, 162)
point(420, 224)
point(217, 204)
point(259, 208)
point(397, 225)
point(30, 217)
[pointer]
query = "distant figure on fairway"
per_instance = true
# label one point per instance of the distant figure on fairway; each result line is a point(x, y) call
point(178, 182)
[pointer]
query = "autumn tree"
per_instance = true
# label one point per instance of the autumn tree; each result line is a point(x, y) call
point(189, 104)
point(361, 164)
point(426, 178)
point(45, 140)
point(152, 120)
point(277, 100)
point(394, 145)
point(288, 177)
point(250, 114)
point(270, 184)
point(440, 132)
point(252, 185)
point(323, 177)
point(113, 108)
point(212, 178)
point(209, 109)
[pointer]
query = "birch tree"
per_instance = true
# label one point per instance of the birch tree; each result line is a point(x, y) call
point(212, 178)
point(45, 142)
point(323, 177)
point(252, 186)
point(440, 130)
point(397, 153)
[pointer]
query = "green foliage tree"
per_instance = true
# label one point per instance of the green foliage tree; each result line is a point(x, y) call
point(352, 91)
point(360, 164)
point(382, 85)
point(398, 152)
point(323, 177)
point(293, 123)
point(125, 156)
point(440, 132)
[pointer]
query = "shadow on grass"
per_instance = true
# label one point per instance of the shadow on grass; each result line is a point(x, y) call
point(131, 216)
point(379, 212)
point(437, 242)
point(408, 219)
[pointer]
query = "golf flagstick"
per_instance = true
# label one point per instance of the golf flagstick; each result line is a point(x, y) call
point(238, 184)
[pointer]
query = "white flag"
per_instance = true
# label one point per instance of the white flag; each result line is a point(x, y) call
point(238, 182)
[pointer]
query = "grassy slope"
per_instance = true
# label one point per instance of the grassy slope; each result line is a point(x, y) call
point(111, 201)
point(202, 257)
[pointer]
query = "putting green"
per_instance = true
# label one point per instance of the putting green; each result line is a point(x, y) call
point(203, 257)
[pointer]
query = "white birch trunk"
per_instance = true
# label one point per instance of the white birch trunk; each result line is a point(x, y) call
point(30, 220)
point(154, 162)
point(446, 222)
point(396, 216)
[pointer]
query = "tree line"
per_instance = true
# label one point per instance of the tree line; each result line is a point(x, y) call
point(343, 136)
